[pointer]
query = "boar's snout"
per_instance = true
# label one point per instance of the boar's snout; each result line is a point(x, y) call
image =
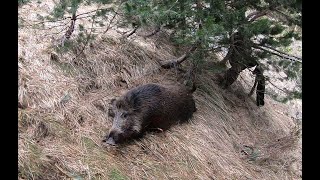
point(110, 141)
point(114, 138)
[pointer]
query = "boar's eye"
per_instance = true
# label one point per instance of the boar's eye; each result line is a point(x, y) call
point(125, 115)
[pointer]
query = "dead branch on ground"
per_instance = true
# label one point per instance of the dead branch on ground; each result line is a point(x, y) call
point(175, 62)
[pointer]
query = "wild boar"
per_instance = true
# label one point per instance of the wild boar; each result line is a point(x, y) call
point(149, 106)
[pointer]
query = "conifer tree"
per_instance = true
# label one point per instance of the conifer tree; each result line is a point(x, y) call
point(250, 31)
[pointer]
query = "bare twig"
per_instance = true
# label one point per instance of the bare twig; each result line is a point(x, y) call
point(285, 91)
point(90, 12)
point(77, 17)
point(110, 23)
point(62, 29)
point(41, 22)
point(132, 32)
point(83, 17)
point(113, 17)
point(51, 27)
point(64, 24)
point(85, 45)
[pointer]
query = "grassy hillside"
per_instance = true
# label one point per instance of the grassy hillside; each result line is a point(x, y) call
point(64, 116)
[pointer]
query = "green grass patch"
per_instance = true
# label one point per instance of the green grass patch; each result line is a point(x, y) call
point(89, 143)
point(117, 175)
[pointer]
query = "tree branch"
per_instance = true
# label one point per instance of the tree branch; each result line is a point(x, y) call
point(71, 27)
point(285, 91)
point(267, 80)
point(89, 12)
point(279, 53)
point(114, 16)
point(70, 30)
point(285, 18)
point(42, 22)
point(132, 32)
point(173, 63)
point(255, 15)
point(86, 43)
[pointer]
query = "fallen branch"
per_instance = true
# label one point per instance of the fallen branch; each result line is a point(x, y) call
point(153, 32)
point(132, 32)
point(173, 63)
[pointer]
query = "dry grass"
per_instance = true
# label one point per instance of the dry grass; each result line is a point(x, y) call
point(61, 129)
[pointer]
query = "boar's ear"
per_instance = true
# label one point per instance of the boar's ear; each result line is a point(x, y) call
point(110, 112)
point(134, 101)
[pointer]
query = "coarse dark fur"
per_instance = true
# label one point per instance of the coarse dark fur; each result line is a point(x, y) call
point(150, 106)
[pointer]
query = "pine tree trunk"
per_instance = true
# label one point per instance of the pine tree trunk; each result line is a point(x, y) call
point(239, 56)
